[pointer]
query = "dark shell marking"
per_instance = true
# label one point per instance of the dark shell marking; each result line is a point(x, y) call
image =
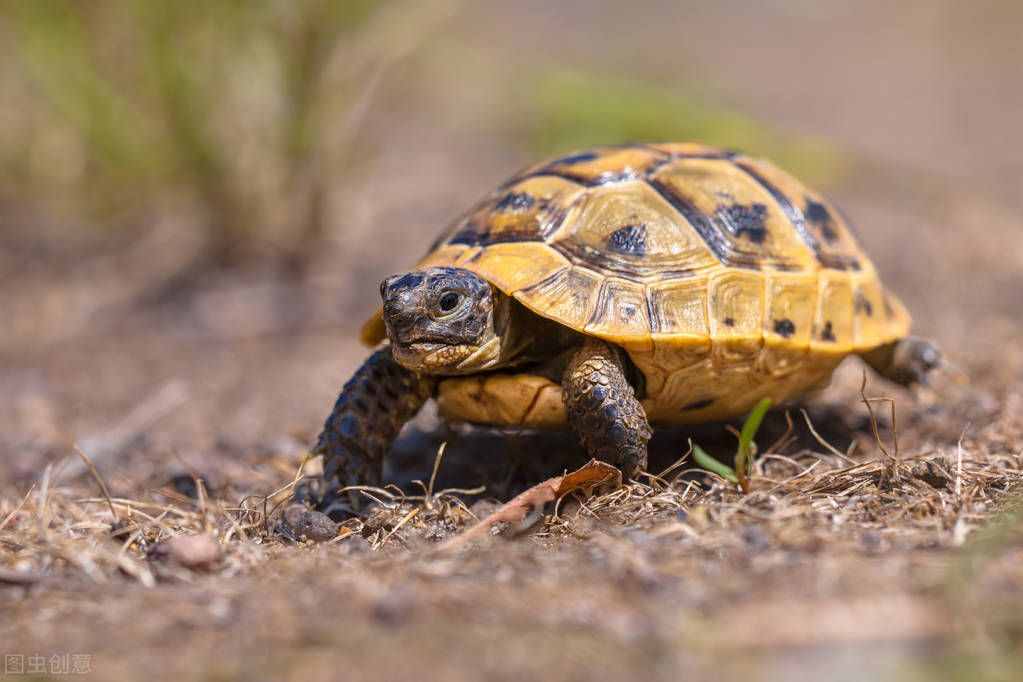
point(784, 327)
point(698, 405)
point(818, 214)
point(745, 221)
point(861, 304)
point(828, 333)
point(473, 235)
point(630, 239)
point(573, 159)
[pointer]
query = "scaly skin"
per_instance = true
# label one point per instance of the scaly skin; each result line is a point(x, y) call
point(603, 409)
point(373, 406)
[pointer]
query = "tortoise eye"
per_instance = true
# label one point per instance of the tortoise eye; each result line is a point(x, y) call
point(449, 301)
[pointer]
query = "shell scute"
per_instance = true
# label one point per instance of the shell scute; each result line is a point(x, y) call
point(739, 219)
point(791, 307)
point(736, 305)
point(630, 230)
point(568, 296)
point(869, 322)
point(678, 309)
point(528, 210)
point(833, 326)
point(621, 313)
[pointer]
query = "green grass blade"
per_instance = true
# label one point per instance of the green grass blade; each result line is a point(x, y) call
point(710, 464)
point(749, 431)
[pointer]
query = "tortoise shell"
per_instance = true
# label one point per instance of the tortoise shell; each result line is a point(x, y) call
point(724, 278)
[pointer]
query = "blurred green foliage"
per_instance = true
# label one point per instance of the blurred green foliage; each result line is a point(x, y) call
point(242, 108)
point(574, 110)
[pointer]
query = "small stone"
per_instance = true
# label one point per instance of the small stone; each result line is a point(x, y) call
point(307, 523)
point(191, 551)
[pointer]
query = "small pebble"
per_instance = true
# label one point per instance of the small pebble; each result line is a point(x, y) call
point(310, 524)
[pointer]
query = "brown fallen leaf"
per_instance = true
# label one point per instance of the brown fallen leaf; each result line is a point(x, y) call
point(586, 478)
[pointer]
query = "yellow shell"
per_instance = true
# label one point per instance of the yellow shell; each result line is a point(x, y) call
point(724, 278)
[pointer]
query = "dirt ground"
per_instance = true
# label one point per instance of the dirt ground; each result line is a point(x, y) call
point(877, 562)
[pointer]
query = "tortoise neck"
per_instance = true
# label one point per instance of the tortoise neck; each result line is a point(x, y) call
point(526, 337)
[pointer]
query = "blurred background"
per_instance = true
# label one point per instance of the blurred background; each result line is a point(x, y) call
point(198, 199)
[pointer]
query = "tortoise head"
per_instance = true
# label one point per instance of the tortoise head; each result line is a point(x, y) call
point(444, 321)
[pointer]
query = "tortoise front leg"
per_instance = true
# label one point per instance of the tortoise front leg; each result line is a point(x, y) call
point(373, 406)
point(603, 409)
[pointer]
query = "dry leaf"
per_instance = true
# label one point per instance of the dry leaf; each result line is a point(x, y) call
point(586, 478)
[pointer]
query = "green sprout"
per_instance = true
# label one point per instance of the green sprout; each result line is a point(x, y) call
point(710, 464)
point(743, 455)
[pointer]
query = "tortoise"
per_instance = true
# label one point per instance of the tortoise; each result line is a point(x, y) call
point(615, 288)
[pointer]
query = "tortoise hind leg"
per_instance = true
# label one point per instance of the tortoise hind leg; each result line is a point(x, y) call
point(603, 409)
point(370, 411)
point(907, 362)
